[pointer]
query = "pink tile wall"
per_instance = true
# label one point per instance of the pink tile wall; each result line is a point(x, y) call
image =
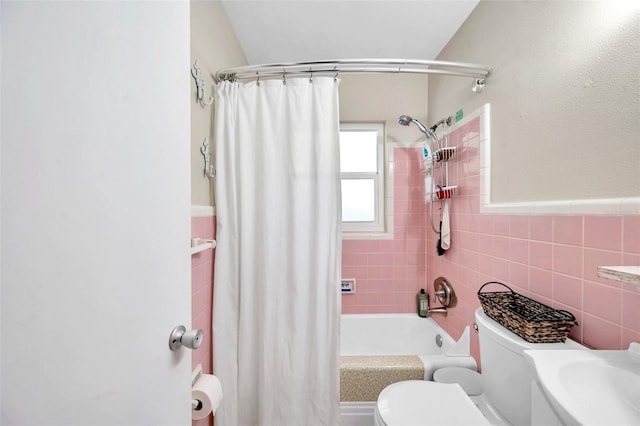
point(202, 298)
point(389, 272)
point(551, 259)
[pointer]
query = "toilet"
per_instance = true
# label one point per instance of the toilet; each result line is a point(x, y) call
point(469, 380)
point(501, 395)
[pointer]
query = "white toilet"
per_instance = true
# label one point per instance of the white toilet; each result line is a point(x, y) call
point(506, 380)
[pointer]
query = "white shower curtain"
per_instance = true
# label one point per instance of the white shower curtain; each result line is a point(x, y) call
point(276, 304)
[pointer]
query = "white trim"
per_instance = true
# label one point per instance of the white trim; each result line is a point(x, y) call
point(357, 413)
point(202, 211)
point(351, 235)
point(630, 206)
point(603, 206)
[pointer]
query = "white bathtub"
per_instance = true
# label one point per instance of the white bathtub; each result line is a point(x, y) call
point(394, 334)
point(391, 334)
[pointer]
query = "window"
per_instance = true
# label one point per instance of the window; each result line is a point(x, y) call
point(362, 177)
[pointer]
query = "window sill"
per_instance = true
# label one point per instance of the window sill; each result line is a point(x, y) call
point(353, 235)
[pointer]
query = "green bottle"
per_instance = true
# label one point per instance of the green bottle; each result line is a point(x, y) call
point(423, 303)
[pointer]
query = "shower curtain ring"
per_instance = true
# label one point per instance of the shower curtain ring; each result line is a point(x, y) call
point(284, 81)
point(257, 79)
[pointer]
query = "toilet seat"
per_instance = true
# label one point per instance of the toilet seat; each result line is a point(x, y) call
point(421, 402)
point(469, 380)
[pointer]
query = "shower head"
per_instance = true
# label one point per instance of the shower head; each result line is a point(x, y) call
point(405, 120)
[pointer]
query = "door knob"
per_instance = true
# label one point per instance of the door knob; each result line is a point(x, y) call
point(181, 337)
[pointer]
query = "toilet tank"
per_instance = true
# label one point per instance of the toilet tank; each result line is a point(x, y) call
point(506, 376)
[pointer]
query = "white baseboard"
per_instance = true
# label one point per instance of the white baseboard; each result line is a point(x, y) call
point(357, 413)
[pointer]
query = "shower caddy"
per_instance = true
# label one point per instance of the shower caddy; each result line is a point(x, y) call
point(440, 157)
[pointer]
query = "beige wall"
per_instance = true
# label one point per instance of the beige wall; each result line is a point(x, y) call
point(565, 96)
point(383, 98)
point(214, 45)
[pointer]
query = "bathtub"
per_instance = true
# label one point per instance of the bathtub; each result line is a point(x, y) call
point(375, 338)
point(390, 334)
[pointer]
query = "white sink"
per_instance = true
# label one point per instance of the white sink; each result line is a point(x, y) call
point(592, 387)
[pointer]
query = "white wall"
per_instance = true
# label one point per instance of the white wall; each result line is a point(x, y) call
point(1, 274)
point(95, 212)
point(215, 46)
point(383, 98)
point(565, 96)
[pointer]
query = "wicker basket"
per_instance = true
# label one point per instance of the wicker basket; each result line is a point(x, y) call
point(531, 320)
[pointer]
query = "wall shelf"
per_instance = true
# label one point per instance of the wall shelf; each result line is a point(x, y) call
point(625, 274)
point(199, 244)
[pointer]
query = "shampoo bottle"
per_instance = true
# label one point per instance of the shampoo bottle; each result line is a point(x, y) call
point(422, 303)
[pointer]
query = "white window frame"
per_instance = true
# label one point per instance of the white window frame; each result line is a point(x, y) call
point(377, 227)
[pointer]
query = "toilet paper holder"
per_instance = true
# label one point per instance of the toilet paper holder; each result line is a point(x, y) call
point(206, 394)
point(196, 404)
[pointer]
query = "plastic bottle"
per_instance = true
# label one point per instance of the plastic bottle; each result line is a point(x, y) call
point(422, 303)
point(427, 163)
point(426, 156)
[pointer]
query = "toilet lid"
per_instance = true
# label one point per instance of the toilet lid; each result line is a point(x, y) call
point(422, 402)
point(468, 380)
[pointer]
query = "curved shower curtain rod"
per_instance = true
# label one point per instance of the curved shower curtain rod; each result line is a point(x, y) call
point(356, 66)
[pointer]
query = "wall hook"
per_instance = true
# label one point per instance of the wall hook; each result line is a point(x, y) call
point(205, 150)
point(197, 75)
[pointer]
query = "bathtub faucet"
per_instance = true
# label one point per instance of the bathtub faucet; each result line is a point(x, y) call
point(441, 310)
point(443, 292)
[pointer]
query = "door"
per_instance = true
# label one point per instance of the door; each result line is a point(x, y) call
point(95, 212)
